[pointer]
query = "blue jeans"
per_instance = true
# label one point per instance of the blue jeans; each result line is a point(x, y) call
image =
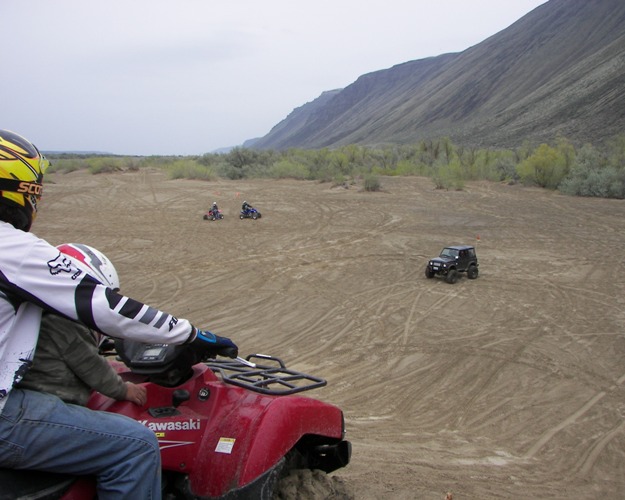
point(39, 431)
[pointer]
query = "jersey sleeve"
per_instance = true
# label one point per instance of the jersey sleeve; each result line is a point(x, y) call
point(37, 272)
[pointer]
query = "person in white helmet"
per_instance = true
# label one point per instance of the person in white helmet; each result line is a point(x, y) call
point(215, 211)
point(38, 430)
point(67, 362)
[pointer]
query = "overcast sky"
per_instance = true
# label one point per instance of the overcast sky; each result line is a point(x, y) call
point(156, 77)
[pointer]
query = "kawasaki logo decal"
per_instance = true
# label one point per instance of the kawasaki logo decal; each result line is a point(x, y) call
point(189, 425)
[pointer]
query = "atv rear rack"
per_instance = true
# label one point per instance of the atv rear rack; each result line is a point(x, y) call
point(275, 379)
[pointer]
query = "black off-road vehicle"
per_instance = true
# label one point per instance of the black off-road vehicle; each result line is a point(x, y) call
point(452, 261)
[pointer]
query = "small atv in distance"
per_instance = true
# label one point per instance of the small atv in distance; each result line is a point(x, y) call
point(250, 213)
point(452, 261)
point(226, 428)
point(213, 215)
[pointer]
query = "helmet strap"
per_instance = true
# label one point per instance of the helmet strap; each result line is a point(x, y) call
point(15, 215)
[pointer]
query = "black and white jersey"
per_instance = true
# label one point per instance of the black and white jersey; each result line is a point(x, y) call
point(34, 276)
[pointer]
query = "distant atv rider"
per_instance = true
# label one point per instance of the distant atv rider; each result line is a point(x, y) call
point(215, 209)
point(38, 430)
point(246, 207)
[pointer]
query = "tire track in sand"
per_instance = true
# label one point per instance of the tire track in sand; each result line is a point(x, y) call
point(547, 436)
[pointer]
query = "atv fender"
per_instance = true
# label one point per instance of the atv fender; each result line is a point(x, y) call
point(255, 436)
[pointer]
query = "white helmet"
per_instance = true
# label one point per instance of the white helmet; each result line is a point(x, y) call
point(92, 262)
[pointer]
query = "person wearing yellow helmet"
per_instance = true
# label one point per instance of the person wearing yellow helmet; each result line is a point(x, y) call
point(21, 175)
point(38, 430)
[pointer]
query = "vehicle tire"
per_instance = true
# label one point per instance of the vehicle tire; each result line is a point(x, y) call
point(205, 217)
point(306, 483)
point(452, 276)
point(241, 216)
point(472, 272)
point(429, 274)
point(255, 216)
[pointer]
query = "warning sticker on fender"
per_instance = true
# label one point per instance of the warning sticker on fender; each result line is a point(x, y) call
point(225, 445)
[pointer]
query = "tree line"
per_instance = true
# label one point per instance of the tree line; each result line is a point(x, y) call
point(585, 170)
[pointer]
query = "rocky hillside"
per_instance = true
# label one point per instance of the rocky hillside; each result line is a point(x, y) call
point(558, 70)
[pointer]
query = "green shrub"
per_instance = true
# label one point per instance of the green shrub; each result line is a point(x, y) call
point(339, 181)
point(287, 169)
point(104, 165)
point(592, 174)
point(448, 176)
point(65, 165)
point(504, 168)
point(372, 183)
point(546, 167)
point(190, 169)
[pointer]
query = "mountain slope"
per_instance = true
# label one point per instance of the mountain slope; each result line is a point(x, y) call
point(558, 70)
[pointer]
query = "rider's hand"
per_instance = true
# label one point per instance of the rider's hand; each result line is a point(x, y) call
point(136, 394)
point(214, 344)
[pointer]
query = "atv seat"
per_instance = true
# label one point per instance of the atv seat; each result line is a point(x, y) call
point(33, 485)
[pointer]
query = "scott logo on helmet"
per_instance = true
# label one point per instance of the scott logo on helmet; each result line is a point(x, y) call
point(30, 188)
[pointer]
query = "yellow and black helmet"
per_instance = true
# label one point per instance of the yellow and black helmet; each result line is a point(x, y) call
point(21, 173)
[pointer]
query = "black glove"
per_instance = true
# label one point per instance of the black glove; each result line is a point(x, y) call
point(215, 345)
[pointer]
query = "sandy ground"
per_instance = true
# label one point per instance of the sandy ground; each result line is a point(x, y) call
point(508, 386)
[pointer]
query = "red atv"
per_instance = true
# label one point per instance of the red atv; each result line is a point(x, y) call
point(213, 215)
point(226, 428)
